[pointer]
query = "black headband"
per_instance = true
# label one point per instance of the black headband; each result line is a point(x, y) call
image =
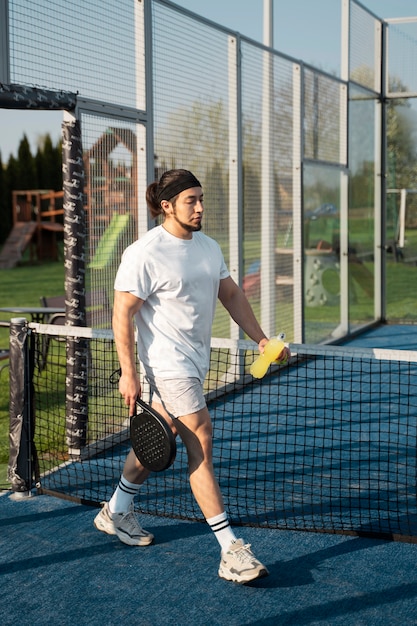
point(181, 184)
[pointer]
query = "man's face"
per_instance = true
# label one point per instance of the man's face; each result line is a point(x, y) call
point(185, 216)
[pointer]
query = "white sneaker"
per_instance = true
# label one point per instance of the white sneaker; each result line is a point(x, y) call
point(240, 565)
point(125, 525)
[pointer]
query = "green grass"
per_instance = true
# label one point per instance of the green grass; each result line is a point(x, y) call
point(400, 300)
point(401, 295)
point(21, 286)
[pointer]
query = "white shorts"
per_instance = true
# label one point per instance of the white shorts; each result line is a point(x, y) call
point(178, 396)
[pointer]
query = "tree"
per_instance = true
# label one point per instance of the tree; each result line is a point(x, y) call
point(49, 164)
point(5, 205)
point(401, 147)
point(9, 176)
point(27, 172)
point(26, 167)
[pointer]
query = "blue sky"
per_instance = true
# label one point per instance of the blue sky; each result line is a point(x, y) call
point(304, 29)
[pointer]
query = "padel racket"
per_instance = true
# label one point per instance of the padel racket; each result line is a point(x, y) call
point(152, 439)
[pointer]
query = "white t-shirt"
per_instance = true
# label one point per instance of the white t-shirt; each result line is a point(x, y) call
point(178, 279)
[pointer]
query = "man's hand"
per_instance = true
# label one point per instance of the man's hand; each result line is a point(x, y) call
point(282, 358)
point(262, 344)
point(130, 390)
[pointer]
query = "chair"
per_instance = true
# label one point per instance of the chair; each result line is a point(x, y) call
point(98, 309)
point(54, 301)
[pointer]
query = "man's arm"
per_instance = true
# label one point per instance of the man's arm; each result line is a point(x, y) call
point(125, 306)
point(234, 300)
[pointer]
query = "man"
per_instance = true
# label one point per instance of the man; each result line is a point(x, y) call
point(169, 281)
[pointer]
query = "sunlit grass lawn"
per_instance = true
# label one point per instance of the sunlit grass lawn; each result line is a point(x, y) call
point(21, 286)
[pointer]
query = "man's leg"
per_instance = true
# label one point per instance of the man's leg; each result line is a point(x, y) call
point(237, 560)
point(117, 516)
point(196, 432)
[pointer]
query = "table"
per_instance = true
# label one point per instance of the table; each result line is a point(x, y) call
point(37, 313)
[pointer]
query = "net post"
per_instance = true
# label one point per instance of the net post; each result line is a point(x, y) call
point(21, 446)
point(75, 301)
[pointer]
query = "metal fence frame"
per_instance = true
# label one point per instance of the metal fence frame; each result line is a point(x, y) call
point(142, 116)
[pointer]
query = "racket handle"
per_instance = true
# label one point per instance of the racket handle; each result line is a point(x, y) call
point(272, 350)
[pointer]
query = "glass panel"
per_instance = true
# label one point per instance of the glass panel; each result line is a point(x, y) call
point(401, 223)
point(322, 117)
point(111, 191)
point(191, 118)
point(282, 139)
point(361, 220)
point(321, 251)
point(402, 57)
point(365, 47)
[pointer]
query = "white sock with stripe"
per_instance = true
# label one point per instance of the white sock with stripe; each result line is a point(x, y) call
point(223, 532)
point(123, 496)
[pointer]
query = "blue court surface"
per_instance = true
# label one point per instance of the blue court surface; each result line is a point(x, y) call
point(395, 337)
point(57, 569)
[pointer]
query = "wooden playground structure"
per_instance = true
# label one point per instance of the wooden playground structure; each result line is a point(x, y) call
point(37, 224)
point(110, 203)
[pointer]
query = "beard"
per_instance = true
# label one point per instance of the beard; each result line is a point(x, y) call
point(190, 228)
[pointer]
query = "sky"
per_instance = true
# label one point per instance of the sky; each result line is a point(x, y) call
point(308, 30)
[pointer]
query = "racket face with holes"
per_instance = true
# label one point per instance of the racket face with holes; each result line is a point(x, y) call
point(152, 439)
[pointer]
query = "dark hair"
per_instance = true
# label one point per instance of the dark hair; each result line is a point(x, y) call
point(169, 186)
point(154, 206)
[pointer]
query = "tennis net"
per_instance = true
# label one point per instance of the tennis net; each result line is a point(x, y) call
point(325, 443)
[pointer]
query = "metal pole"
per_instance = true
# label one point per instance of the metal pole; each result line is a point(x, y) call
point(269, 23)
point(21, 411)
point(4, 43)
point(268, 209)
